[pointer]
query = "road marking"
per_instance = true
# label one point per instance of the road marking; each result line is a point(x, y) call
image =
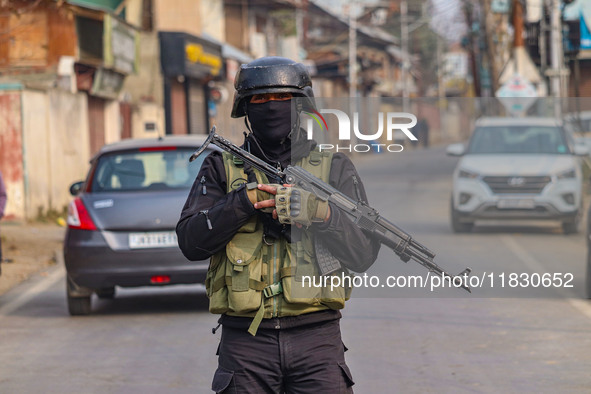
point(535, 266)
point(52, 278)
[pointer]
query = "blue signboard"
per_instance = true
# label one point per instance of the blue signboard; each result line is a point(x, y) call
point(585, 34)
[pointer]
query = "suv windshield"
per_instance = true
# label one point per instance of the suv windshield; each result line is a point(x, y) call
point(518, 139)
point(149, 169)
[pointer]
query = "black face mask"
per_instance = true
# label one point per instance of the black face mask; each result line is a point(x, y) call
point(270, 121)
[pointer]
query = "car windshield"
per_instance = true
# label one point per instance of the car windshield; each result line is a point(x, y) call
point(146, 169)
point(519, 140)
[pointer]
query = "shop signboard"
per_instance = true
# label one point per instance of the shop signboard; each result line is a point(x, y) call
point(517, 95)
point(190, 56)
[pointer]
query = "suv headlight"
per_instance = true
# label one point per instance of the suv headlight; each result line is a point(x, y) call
point(467, 174)
point(568, 174)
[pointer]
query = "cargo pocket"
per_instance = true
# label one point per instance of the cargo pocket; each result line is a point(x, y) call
point(222, 381)
point(299, 279)
point(215, 285)
point(348, 379)
point(244, 274)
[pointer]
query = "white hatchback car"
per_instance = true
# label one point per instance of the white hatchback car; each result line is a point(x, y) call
point(517, 168)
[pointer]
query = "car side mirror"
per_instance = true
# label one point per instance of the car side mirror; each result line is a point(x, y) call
point(581, 150)
point(455, 150)
point(76, 187)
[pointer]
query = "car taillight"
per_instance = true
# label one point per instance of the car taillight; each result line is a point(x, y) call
point(78, 216)
point(160, 279)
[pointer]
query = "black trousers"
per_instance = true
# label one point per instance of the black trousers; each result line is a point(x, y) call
point(299, 360)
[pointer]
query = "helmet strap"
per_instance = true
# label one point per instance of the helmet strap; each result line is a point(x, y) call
point(247, 124)
point(293, 134)
point(255, 140)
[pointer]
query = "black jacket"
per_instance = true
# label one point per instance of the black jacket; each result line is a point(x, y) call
point(227, 212)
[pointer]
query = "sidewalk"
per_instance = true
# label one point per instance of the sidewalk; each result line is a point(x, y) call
point(31, 247)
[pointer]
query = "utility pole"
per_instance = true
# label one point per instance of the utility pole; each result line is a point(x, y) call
point(491, 45)
point(299, 20)
point(353, 107)
point(542, 40)
point(404, 43)
point(440, 87)
point(352, 52)
point(468, 9)
point(518, 30)
point(557, 54)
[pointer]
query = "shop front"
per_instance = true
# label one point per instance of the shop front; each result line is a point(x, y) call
point(189, 64)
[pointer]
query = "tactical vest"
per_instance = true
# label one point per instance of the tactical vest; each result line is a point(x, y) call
point(251, 277)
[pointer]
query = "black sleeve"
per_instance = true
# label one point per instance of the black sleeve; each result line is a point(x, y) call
point(347, 242)
point(211, 217)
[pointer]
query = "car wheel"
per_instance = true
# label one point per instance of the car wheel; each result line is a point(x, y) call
point(78, 304)
point(572, 226)
point(456, 225)
point(106, 293)
point(588, 273)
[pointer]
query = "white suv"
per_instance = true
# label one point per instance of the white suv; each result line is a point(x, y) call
point(517, 168)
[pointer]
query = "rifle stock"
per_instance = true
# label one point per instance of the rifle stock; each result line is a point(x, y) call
point(364, 216)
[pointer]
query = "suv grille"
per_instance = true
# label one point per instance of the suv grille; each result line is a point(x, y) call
point(516, 184)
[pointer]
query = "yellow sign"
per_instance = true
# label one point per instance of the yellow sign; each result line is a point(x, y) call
point(195, 54)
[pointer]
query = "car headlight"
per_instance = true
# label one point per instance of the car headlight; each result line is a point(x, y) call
point(568, 174)
point(467, 174)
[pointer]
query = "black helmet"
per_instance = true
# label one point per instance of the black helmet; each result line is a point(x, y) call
point(271, 75)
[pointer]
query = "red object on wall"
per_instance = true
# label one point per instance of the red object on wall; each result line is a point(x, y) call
point(11, 143)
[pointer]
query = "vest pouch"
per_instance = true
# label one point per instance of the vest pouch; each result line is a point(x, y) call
point(215, 284)
point(300, 280)
point(244, 272)
point(334, 296)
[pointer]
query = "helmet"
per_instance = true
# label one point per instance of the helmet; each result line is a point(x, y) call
point(271, 75)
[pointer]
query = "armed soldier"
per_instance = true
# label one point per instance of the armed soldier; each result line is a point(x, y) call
point(263, 237)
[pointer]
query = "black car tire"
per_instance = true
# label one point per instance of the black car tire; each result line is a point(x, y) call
point(456, 225)
point(570, 227)
point(106, 293)
point(77, 305)
point(588, 272)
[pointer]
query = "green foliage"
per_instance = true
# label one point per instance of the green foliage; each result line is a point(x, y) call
point(426, 47)
point(285, 19)
point(50, 215)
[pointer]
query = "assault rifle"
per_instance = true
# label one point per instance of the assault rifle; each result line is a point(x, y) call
point(364, 216)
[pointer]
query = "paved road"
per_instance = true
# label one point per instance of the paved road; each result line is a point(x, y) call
point(483, 342)
point(399, 340)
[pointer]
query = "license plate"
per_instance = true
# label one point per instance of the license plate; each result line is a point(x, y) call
point(164, 239)
point(516, 203)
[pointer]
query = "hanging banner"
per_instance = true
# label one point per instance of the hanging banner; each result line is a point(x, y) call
point(585, 31)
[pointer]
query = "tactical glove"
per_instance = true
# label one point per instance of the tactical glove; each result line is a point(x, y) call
point(300, 206)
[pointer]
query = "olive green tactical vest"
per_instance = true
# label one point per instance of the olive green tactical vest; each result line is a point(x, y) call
point(259, 279)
